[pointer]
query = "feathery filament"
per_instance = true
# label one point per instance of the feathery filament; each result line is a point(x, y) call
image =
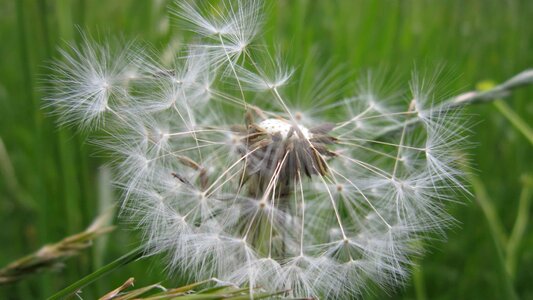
point(228, 179)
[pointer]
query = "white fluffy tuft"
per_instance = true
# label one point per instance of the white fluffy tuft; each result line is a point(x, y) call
point(230, 182)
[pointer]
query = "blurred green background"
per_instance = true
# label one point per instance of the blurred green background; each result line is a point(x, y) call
point(51, 186)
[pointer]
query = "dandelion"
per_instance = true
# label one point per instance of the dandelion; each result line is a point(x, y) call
point(229, 180)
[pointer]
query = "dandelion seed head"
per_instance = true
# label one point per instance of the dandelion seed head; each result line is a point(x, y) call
point(234, 177)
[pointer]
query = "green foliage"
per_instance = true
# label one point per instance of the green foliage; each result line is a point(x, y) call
point(51, 186)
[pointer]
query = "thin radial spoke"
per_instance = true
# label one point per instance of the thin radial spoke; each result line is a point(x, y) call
point(271, 185)
point(383, 143)
point(369, 167)
point(197, 131)
point(354, 118)
point(174, 153)
point(190, 120)
point(364, 196)
point(303, 214)
point(229, 169)
point(367, 148)
point(337, 215)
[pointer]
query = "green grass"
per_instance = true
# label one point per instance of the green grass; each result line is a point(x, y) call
point(51, 186)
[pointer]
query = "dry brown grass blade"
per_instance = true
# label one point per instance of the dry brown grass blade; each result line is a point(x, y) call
point(52, 256)
point(224, 291)
point(120, 293)
point(137, 293)
point(114, 293)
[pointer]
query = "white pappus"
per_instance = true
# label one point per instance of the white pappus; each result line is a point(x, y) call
point(227, 178)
